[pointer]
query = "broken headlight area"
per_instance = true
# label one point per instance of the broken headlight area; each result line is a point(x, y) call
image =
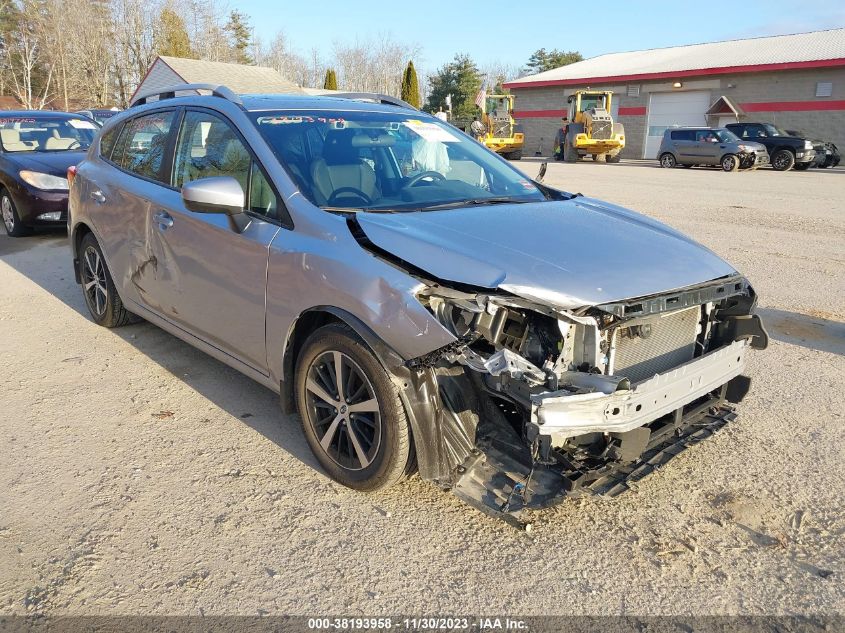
point(536, 402)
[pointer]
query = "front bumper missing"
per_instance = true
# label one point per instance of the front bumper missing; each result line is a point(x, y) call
point(562, 414)
point(502, 480)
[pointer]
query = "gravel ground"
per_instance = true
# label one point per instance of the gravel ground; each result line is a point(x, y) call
point(139, 476)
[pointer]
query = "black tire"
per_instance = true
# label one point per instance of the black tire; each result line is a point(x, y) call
point(802, 167)
point(570, 154)
point(730, 162)
point(667, 160)
point(386, 447)
point(612, 158)
point(103, 302)
point(783, 160)
point(515, 155)
point(11, 220)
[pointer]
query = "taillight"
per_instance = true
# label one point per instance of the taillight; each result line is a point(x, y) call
point(71, 174)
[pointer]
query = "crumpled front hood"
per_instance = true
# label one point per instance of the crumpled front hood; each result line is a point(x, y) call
point(567, 254)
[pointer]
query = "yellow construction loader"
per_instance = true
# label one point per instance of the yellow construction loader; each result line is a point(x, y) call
point(590, 128)
point(501, 133)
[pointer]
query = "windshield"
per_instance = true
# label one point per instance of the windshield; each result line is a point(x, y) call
point(497, 108)
point(592, 101)
point(726, 136)
point(46, 134)
point(771, 130)
point(388, 161)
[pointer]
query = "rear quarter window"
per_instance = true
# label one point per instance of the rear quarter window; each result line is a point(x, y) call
point(683, 135)
point(141, 145)
point(108, 141)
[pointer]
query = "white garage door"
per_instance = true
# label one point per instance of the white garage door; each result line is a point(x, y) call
point(666, 109)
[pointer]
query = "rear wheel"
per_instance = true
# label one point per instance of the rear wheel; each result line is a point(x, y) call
point(11, 221)
point(99, 290)
point(351, 413)
point(570, 154)
point(668, 161)
point(515, 155)
point(783, 160)
point(730, 162)
point(612, 158)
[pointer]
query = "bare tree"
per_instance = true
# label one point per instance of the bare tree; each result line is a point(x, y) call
point(23, 52)
point(373, 65)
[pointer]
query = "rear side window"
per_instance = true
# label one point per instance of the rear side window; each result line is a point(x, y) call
point(108, 141)
point(741, 131)
point(142, 142)
point(683, 135)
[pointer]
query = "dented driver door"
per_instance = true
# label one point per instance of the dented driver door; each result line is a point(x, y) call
point(211, 273)
point(211, 279)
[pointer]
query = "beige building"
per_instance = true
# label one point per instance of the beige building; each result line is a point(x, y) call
point(169, 71)
point(794, 81)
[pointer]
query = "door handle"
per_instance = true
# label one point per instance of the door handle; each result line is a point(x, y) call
point(164, 220)
point(98, 197)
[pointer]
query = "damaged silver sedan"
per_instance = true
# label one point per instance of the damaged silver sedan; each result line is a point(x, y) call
point(420, 303)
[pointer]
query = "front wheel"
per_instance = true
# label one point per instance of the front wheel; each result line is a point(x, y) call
point(730, 162)
point(515, 155)
point(667, 161)
point(783, 160)
point(612, 158)
point(11, 220)
point(351, 413)
point(99, 290)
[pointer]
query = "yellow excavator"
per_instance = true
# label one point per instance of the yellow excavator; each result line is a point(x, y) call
point(501, 133)
point(590, 128)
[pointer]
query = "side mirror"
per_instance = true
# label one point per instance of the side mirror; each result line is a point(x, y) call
point(219, 194)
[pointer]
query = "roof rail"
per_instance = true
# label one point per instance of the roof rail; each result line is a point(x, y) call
point(170, 92)
point(375, 97)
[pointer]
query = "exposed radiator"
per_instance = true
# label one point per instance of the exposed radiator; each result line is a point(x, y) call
point(655, 344)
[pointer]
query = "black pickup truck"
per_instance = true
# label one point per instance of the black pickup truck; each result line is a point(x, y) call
point(785, 151)
point(829, 155)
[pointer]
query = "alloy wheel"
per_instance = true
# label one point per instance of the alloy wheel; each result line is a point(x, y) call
point(94, 281)
point(8, 214)
point(667, 161)
point(343, 410)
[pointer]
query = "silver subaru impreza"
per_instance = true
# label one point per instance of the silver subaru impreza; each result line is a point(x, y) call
point(423, 305)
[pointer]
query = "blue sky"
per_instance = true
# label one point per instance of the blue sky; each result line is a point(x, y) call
point(509, 31)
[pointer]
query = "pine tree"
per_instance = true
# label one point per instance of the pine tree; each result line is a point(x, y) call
point(238, 31)
point(459, 78)
point(410, 86)
point(542, 60)
point(330, 82)
point(172, 36)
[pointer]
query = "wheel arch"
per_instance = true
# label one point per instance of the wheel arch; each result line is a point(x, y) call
point(80, 230)
point(310, 321)
point(418, 389)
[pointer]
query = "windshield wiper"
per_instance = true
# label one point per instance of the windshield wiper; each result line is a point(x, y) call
point(474, 202)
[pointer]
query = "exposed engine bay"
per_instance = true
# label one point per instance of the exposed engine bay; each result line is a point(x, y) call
point(540, 402)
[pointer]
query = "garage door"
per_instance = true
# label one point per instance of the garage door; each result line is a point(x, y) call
point(666, 109)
